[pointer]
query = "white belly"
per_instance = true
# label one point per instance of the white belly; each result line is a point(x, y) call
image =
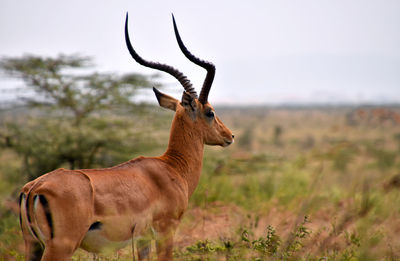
point(111, 234)
point(95, 242)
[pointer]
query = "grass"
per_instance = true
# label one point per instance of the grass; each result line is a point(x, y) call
point(298, 184)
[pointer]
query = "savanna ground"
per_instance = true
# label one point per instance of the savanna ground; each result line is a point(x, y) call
point(297, 184)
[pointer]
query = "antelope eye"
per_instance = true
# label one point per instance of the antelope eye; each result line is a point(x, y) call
point(210, 114)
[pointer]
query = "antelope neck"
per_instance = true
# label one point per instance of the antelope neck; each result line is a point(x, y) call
point(185, 152)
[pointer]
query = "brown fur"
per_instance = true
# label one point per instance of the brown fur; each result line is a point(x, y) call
point(129, 200)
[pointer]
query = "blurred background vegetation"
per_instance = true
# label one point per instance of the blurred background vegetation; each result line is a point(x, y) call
point(299, 183)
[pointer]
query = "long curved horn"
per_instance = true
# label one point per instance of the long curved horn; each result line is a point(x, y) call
point(205, 64)
point(187, 85)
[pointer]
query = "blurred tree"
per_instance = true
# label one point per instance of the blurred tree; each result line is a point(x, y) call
point(67, 127)
point(56, 85)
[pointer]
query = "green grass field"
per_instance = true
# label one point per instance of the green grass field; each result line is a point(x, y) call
point(297, 184)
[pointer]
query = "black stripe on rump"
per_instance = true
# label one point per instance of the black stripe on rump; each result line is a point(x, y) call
point(46, 208)
point(20, 202)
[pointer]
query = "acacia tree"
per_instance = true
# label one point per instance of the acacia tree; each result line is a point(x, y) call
point(74, 117)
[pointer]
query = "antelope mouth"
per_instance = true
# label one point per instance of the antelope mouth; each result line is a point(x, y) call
point(228, 142)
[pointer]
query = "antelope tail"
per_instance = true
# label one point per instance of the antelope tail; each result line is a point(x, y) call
point(35, 217)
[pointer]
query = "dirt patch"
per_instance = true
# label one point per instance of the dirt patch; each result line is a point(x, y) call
point(331, 230)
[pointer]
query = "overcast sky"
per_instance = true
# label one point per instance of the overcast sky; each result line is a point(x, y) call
point(266, 52)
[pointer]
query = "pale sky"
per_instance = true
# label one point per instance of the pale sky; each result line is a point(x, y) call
point(265, 52)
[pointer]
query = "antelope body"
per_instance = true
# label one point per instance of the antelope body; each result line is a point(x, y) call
point(144, 198)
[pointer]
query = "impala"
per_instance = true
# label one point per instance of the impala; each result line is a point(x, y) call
point(142, 199)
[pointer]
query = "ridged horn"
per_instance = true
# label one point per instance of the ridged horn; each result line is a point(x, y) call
point(184, 81)
point(205, 64)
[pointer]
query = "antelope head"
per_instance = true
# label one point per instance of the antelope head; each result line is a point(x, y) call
point(192, 111)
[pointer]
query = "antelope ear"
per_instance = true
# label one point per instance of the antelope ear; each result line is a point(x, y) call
point(165, 101)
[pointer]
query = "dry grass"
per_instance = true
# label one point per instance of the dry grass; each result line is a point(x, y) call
point(339, 167)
